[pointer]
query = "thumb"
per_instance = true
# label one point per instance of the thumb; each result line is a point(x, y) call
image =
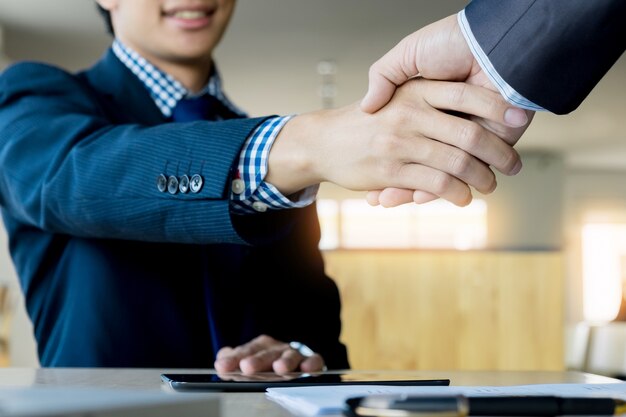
point(379, 92)
point(389, 72)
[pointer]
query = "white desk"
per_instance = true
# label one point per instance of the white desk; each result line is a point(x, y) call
point(255, 404)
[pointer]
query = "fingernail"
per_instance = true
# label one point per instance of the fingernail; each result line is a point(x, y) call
point(517, 168)
point(515, 117)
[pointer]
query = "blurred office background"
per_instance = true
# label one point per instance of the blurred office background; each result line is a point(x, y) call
point(529, 277)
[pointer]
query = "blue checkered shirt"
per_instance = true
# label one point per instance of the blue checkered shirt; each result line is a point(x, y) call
point(166, 92)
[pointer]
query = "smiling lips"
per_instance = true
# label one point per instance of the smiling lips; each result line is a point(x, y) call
point(190, 18)
point(188, 14)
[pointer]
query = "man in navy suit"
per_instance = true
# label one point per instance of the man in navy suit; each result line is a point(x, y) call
point(153, 225)
point(539, 54)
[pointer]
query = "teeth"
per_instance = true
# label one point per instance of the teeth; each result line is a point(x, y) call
point(189, 14)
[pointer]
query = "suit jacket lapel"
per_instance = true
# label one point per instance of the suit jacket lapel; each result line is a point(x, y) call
point(124, 96)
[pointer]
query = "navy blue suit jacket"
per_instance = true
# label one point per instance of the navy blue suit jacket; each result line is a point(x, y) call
point(553, 52)
point(116, 273)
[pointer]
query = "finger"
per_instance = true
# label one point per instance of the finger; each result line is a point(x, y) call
point(449, 160)
point(313, 363)
point(228, 359)
point(422, 197)
point(289, 361)
point(470, 137)
point(509, 134)
point(258, 344)
point(390, 71)
point(380, 91)
point(393, 197)
point(224, 352)
point(475, 100)
point(224, 365)
point(372, 197)
point(436, 182)
point(262, 360)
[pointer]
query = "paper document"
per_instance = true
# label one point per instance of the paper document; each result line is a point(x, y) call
point(328, 400)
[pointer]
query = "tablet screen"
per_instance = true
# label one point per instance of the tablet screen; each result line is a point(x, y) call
point(235, 381)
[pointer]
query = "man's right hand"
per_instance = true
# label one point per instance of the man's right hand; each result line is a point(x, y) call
point(438, 51)
point(415, 142)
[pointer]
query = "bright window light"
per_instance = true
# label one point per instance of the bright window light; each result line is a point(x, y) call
point(364, 226)
point(435, 225)
point(443, 225)
point(604, 255)
point(328, 213)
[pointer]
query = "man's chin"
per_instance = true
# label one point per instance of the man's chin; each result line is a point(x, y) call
point(191, 59)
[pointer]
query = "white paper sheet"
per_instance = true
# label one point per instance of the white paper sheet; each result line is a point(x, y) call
point(329, 400)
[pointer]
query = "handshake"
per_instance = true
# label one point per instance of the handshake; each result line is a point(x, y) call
point(431, 126)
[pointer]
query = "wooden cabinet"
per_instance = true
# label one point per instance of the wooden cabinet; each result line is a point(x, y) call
point(453, 310)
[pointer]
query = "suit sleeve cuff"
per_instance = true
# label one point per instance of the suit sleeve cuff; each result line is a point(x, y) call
point(481, 57)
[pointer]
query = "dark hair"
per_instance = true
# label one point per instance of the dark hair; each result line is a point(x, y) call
point(107, 18)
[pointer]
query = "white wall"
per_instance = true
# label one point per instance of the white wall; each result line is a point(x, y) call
point(525, 211)
point(4, 59)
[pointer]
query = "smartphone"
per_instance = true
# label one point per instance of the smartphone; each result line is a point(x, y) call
point(259, 382)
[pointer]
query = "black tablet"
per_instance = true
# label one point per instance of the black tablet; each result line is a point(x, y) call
point(234, 381)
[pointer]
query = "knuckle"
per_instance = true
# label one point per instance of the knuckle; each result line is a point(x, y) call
point(264, 339)
point(456, 94)
point(373, 70)
point(509, 160)
point(385, 145)
point(403, 115)
point(441, 183)
point(428, 151)
point(461, 164)
point(470, 135)
point(494, 107)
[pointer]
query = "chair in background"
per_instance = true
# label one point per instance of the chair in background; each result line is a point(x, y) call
point(607, 350)
point(6, 318)
point(577, 346)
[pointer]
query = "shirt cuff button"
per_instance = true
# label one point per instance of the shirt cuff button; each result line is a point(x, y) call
point(238, 186)
point(260, 207)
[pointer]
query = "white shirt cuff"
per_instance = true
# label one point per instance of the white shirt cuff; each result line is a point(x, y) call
point(505, 89)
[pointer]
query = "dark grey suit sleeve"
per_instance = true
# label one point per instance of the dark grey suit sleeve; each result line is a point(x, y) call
point(553, 52)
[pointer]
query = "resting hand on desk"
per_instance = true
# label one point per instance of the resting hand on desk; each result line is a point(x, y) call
point(263, 354)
